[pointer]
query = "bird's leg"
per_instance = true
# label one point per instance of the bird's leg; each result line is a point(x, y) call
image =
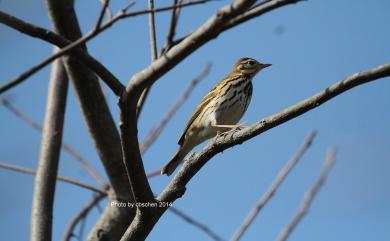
point(231, 127)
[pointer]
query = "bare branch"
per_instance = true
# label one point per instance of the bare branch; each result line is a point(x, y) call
point(172, 26)
point(274, 186)
point(153, 55)
point(114, 85)
point(71, 151)
point(154, 173)
point(108, 10)
point(81, 215)
point(152, 32)
point(196, 223)
point(101, 14)
point(257, 10)
point(59, 41)
point(309, 196)
point(155, 132)
point(60, 178)
point(45, 178)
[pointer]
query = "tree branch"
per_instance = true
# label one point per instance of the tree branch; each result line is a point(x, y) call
point(81, 215)
point(108, 78)
point(60, 178)
point(155, 132)
point(67, 148)
point(101, 14)
point(61, 42)
point(196, 223)
point(309, 196)
point(172, 27)
point(153, 55)
point(257, 11)
point(274, 186)
point(45, 180)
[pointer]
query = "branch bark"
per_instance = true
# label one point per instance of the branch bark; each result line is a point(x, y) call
point(45, 179)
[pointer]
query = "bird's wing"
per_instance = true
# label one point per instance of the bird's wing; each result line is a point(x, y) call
point(205, 101)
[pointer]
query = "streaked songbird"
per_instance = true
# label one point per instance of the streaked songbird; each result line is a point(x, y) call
point(220, 110)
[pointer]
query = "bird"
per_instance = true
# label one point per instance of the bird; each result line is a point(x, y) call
point(220, 110)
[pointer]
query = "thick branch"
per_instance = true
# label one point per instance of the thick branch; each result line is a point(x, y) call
point(272, 189)
point(257, 11)
point(309, 196)
point(45, 179)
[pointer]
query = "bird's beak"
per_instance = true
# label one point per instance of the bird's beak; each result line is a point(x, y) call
point(263, 66)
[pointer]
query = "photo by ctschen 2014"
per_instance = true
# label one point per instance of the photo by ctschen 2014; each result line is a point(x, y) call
point(195, 120)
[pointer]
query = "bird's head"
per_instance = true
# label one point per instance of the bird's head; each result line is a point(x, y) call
point(248, 66)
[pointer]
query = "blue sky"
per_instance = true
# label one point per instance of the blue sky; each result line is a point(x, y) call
point(311, 45)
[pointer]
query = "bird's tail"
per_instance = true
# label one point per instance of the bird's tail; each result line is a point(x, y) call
point(172, 165)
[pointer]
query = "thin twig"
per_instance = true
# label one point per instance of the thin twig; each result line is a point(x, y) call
point(154, 173)
point(196, 223)
point(155, 132)
point(60, 178)
point(81, 215)
point(108, 10)
point(309, 196)
point(101, 14)
point(273, 187)
point(172, 26)
point(24, 117)
point(153, 56)
point(152, 32)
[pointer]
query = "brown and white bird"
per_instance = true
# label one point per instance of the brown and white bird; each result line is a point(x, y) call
point(220, 110)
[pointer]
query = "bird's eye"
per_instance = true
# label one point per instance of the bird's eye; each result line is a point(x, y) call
point(251, 62)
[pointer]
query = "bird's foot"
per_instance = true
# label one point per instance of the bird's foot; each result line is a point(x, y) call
point(233, 128)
